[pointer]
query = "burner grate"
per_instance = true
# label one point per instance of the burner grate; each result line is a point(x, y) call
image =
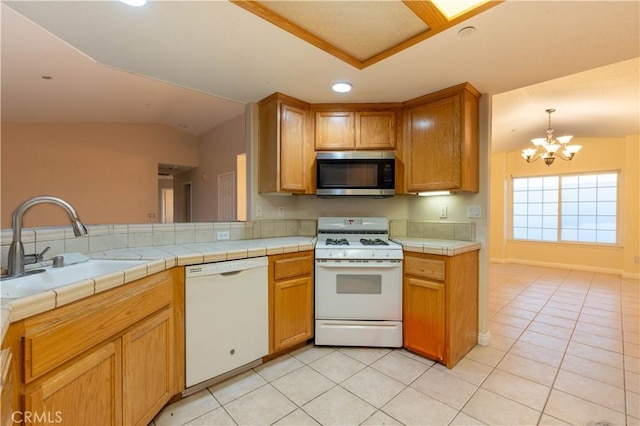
point(337, 242)
point(373, 242)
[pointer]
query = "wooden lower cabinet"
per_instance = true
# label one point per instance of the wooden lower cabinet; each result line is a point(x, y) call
point(424, 317)
point(110, 359)
point(85, 393)
point(290, 299)
point(148, 368)
point(441, 305)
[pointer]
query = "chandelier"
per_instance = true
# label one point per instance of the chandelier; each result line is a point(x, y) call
point(550, 148)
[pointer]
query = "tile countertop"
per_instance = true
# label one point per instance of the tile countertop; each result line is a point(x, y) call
point(165, 257)
point(433, 246)
point(159, 258)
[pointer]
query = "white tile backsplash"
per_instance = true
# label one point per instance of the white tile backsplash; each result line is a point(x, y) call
point(104, 238)
point(460, 231)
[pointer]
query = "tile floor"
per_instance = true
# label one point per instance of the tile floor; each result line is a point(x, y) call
point(564, 350)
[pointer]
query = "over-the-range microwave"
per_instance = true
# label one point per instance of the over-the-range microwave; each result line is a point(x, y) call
point(366, 173)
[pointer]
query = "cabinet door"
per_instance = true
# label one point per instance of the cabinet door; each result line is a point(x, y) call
point(88, 392)
point(376, 130)
point(335, 130)
point(293, 311)
point(147, 352)
point(434, 145)
point(292, 148)
point(424, 317)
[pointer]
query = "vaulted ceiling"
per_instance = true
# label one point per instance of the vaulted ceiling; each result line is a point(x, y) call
point(194, 64)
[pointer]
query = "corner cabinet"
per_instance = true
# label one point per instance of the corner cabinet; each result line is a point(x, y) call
point(285, 151)
point(290, 299)
point(113, 358)
point(341, 128)
point(440, 315)
point(441, 140)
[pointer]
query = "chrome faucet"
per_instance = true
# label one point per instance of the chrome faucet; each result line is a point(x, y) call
point(16, 250)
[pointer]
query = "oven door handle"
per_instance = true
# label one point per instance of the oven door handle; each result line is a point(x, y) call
point(358, 265)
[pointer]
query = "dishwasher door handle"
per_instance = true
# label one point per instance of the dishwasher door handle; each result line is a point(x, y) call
point(230, 274)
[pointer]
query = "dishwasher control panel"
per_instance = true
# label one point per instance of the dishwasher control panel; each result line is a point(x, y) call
point(225, 266)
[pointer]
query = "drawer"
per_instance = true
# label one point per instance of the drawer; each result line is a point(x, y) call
point(55, 337)
point(427, 268)
point(289, 266)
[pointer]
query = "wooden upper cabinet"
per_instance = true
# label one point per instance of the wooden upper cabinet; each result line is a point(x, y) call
point(285, 152)
point(376, 130)
point(345, 128)
point(441, 135)
point(334, 130)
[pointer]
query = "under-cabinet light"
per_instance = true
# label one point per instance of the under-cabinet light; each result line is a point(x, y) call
point(136, 3)
point(433, 193)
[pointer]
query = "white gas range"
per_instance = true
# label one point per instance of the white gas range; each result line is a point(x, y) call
point(358, 287)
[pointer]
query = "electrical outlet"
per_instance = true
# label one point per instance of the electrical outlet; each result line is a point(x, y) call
point(474, 212)
point(222, 235)
point(281, 211)
point(258, 211)
point(443, 212)
point(636, 259)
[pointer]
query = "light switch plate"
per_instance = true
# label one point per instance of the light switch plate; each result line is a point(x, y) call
point(443, 212)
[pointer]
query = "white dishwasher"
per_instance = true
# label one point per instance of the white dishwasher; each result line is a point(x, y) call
point(226, 317)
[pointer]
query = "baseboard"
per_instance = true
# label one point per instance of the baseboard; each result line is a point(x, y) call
point(483, 338)
point(497, 260)
point(630, 276)
point(612, 271)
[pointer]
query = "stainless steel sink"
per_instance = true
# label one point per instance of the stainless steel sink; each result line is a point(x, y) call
point(57, 277)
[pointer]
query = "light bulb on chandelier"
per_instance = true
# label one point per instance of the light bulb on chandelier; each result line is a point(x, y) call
point(550, 148)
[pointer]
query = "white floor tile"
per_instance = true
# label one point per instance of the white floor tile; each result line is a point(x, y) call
point(311, 353)
point(237, 386)
point(411, 407)
point(379, 418)
point(516, 388)
point(590, 390)
point(217, 417)
point(467, 370)
point(302, 385)
point(578, 411)
point(339, 407)
point(400, 367)
point(444, 387)
point(263, 406)
point(297, 418)
point(494, 409)
point(337, 366)
point(372, 386)
point(187, 409)
point(365, 355)
point(278, 367)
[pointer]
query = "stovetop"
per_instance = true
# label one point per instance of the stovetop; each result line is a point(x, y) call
point(355, 238)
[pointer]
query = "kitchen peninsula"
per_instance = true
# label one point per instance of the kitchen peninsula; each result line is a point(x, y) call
point(110, 347)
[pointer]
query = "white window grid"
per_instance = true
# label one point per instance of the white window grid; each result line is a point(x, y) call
point(580, 208)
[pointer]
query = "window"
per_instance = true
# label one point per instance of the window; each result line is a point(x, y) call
point(578, 208)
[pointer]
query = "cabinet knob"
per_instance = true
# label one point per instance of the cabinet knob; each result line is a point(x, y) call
point(232, 351)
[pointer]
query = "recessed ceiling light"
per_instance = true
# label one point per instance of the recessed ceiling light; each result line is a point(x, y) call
point(341, 87)
point(466, 32)
point(136, 3)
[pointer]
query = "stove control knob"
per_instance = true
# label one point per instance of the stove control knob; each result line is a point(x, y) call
point(330, 253)
point(373, 253)
point(344, 253)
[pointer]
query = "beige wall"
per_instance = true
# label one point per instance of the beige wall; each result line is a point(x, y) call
point(108, 172)
point(217, 152)
point(598, 154)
